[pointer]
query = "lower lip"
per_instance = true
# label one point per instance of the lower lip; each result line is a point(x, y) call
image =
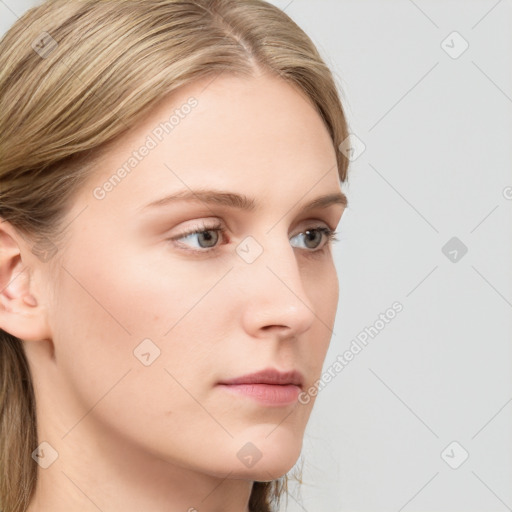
point(268, 394)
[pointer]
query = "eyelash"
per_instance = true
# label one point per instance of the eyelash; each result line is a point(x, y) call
point(328, 233)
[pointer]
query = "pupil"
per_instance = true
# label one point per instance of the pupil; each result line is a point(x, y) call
point(310, 237)
point(207, 237)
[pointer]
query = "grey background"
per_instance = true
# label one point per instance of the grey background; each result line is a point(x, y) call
point(436, 165)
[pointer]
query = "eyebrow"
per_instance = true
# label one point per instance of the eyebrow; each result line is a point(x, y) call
point(239, 201)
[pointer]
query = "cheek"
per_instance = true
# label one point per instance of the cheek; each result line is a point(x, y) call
point(141, 398)
point(134, 292)
point(112, 313)
point(322, 288)
point(131, 340)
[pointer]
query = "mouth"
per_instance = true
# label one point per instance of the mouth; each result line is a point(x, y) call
point(268, 387)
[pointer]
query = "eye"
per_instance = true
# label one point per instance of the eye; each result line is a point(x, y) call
point(205, 239)
point(314, 238)
point(201, 239)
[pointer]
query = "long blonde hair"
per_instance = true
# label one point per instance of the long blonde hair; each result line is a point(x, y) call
point(75, 74)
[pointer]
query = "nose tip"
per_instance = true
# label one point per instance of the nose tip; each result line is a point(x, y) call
point(299, 309)
point(278, 302)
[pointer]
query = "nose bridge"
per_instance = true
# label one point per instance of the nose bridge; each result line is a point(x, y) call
point(276, 295)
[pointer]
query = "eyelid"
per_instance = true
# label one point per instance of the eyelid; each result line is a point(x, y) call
point(203, 226)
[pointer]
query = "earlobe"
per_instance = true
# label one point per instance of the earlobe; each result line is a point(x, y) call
point(20, 312)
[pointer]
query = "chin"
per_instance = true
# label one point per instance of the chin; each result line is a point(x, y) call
point(267, 458)
point(272, 470)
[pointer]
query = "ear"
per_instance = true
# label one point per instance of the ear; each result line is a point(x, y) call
point(21, 311)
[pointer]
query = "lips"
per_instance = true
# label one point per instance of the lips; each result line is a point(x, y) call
point(270, 388)
point(269, 376)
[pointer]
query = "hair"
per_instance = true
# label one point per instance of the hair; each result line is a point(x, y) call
point(75, 75)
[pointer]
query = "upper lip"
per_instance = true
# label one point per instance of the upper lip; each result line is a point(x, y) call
point(269, 376)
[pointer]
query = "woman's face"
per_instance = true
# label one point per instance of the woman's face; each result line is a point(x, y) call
point(147, 319)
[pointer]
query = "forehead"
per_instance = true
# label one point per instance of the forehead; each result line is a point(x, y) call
point(256, 135)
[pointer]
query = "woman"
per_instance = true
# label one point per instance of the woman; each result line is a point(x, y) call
point(169, 188)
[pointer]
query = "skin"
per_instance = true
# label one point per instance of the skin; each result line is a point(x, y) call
point(133, 437)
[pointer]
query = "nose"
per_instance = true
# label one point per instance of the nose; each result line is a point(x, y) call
point(275, 299)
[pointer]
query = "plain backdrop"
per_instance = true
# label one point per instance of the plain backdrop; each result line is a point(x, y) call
point(421, 418)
